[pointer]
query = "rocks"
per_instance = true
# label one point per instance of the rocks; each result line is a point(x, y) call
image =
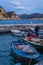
point(7, 15)
point(5, 28)
point(3, 14)
point(12, 15)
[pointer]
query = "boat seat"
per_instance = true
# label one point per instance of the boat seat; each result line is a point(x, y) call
point(25, 48)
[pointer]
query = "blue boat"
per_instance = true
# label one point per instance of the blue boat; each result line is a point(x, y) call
point(20, 54)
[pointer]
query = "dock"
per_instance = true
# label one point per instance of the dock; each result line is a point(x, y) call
point(22, 27)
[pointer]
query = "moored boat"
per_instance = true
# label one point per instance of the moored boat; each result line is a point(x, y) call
point(35, 42)
point(40, 32)
point(24, 52)
point(18, 33)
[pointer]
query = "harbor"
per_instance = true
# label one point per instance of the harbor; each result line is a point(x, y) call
point(6, 38)
point(21, 32)
point(6, 57)
point(10, 33)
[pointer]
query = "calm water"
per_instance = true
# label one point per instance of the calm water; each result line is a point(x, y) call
point(21, 21)
point(5, 50)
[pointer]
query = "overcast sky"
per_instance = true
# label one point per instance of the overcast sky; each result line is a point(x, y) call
point(23, 6)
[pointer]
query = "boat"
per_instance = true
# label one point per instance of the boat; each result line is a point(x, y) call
point(18, 33)
point(35, 42)
point(39, 63)
point(40, 32)
point(25, 53)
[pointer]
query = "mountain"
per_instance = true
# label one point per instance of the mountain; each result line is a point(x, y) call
point(12, 15)
point(7, 15)
point(31, 16)
point(3, 14)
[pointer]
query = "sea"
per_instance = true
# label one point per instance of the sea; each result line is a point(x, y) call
point(21, 21)
point(5, 42)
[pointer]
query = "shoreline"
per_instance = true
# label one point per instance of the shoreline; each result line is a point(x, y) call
point(21, 19)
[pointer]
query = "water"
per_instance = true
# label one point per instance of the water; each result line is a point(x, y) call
point(21, 21)
point(5, 50)
point(6, 39)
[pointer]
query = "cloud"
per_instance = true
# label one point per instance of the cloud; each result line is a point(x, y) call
point(15, 3)
point(19, 6)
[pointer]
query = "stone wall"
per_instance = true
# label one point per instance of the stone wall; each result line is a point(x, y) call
point(5, 28)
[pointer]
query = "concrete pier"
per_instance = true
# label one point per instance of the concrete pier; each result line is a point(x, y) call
point(23, 27)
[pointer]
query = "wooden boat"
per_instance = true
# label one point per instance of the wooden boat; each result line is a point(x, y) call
point(35, 42)
point(18, 33)
point(24, 52)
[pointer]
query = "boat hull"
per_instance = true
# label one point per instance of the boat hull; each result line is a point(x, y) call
point(38, 47)
point(21, 59)
point(17, 33)
point(25, 61)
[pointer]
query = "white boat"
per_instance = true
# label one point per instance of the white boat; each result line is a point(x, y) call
point(18, 33)
point(36, 42)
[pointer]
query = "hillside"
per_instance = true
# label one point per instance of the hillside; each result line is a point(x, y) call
point(31, 16)
point(7, 15)
point(14, 16)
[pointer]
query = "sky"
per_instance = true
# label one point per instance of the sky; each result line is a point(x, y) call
point(23, 6)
